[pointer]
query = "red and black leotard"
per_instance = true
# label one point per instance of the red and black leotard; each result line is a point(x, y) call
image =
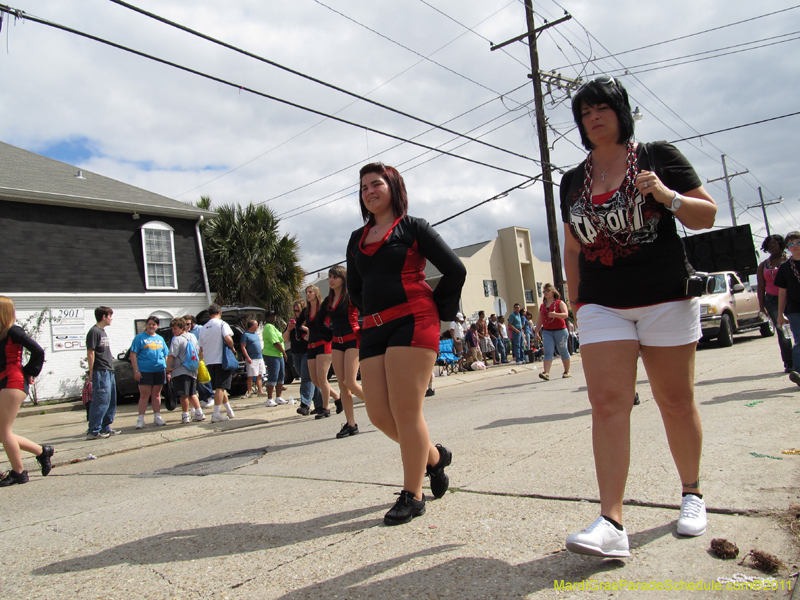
point(343, 317)
point(386, 281)
point(318, 333)
point(12, 374)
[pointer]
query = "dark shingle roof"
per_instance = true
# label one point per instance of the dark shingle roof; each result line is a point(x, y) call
point(29, 177)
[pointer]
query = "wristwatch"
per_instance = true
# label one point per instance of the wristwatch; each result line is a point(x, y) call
point(676, 202)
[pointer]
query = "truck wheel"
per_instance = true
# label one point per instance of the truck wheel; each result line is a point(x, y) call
point(767, 329)
point(725, 338)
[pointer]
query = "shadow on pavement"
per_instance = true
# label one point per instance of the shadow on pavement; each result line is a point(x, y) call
point(538, 419)
point(751, 395)
point(468, 577)
point(222, 540)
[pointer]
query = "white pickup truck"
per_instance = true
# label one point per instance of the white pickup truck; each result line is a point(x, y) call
point(730, 306)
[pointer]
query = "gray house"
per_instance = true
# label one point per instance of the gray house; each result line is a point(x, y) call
point(74, 240)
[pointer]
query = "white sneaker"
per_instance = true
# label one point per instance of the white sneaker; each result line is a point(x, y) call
point(199, 417)
point(270, 402)
point(185, 418)
point(218, 418)
point(247, 395)
point(210, 403)
point(693, 516)
point(140, 423)
point(157, 420)
point(601, 538)
point(280, 400)
point(229, 410)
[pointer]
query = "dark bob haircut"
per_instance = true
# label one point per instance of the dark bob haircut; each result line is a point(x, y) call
point(396, 186)
point(778, 238)
point(604, 90)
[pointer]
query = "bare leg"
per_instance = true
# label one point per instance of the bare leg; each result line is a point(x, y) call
point(610, 398)
point(394, 391)
point(351, 373)
point(259, 385)
point(145, 391)
point(10, 401)
point(546, 366)
point(347, 398)
point(155, 398)
point(270, 389)
point(194, 401)
point(323, 364)
point(671, 374)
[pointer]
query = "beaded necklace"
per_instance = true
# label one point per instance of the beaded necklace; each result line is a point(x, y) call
point(627, 189)
point(768, 262)
point(794, 269)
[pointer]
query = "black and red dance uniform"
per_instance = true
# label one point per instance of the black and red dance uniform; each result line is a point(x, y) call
point(319, 334)
point(343, 317)
point(12, 374)
point(386, 281)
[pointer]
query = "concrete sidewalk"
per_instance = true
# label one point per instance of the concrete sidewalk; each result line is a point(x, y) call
point(64, 424)
point(272, 506)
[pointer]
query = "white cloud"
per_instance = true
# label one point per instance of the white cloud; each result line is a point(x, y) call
point(169, 131)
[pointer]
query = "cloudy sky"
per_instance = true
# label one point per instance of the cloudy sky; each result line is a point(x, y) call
point(183, 136)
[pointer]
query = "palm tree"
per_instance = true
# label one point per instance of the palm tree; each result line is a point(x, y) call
point(247, 259)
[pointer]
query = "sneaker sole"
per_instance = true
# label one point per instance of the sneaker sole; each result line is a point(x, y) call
point(595, 551)
point(692, 534)
point(392, 522)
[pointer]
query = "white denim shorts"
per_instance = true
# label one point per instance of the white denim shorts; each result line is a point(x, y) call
point(256, 368)
point(666, 324)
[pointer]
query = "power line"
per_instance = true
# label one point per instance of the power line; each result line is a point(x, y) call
point(736, 127)
point(391, 148)
point(503, 194)
point(387, 38)
point(628, 71)
point(472, 29)
point(29, 17)
point(308, 77)
point(683, 37)
point(285, 216)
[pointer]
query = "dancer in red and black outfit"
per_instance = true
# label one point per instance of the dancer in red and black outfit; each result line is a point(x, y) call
point(343, 317)
point(319, 350)
point(400, 332)
point(14, 382)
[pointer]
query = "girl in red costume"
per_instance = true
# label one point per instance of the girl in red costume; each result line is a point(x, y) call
point(319, 350)
point(343, 317)
point(14, 382)
point(400, 332)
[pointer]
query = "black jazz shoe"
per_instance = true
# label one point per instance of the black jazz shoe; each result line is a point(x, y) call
point(347, 430)
point(439, 479)
point(323, 414)
point(13, 478)
point(44, 459)
point(406, 508)
point(339, 406)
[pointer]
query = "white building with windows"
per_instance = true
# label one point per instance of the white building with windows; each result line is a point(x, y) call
point(74, 240)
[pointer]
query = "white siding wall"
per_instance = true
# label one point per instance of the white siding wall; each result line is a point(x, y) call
point(62, 373)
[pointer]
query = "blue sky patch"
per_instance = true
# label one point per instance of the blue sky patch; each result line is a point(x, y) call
point(73, 150)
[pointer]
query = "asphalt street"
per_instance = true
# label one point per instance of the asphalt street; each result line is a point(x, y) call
point(271, 505)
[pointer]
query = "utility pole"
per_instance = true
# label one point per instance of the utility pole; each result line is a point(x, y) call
point(764, 205)
point(727, 179)
point(544, 150)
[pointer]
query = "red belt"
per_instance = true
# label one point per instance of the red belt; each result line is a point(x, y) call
point(317, 344)
point(347, 338)
point(390, 314)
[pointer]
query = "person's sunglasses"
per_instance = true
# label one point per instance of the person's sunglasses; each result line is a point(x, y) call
point(792, 244)
point(602, 80)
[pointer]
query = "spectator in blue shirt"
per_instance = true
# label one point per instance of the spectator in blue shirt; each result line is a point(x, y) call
point(251, 349)
point(516, 325)
point(149, 361)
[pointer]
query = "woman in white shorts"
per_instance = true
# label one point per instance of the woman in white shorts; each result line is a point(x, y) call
point(631, 288)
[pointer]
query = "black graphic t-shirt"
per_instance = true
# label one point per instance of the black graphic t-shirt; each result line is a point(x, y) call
point(786, 279)
point(652, 268)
